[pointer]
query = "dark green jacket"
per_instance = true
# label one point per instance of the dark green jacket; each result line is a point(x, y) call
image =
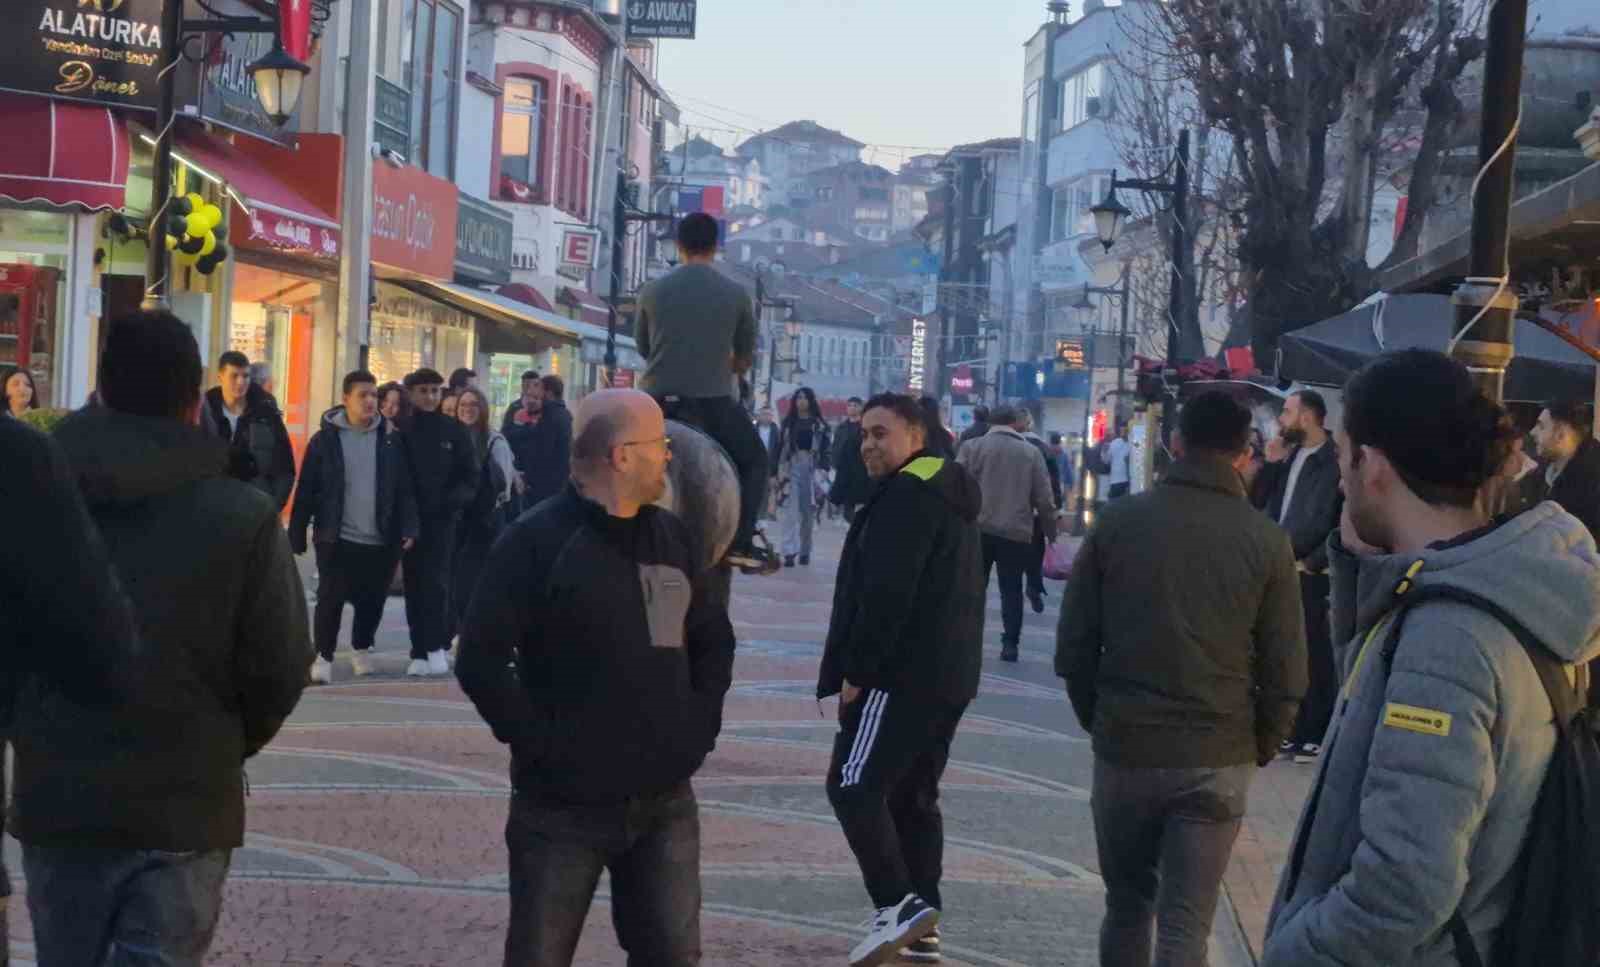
point(1181, 636)
point(219, 607)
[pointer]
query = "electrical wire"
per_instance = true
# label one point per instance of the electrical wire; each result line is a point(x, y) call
point(1504, 281)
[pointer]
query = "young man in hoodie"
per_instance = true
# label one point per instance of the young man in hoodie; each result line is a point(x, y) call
point(1441, 738)
point(444, 475)
point(904, 650)
point(129, 813)
point(246, 417)
point(1185, 657)
point(623, 652)
point(355, 494)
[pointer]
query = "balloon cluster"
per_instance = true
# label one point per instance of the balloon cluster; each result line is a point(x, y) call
point(195, 233)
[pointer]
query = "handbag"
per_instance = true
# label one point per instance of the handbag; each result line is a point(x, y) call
point(1057, 562)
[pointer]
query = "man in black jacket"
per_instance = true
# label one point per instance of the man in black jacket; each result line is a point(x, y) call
point(543, 446)
point(1183, 650)
point(68, 620)
point(1571, 456)
point(129, 813)
point(1300, 484)
point(247, 418)
point(355, 494)
point(1035, 572)
point(851, 485)
point(980, 425)
point(904, 651)
point(623, 654)
point(444, 475)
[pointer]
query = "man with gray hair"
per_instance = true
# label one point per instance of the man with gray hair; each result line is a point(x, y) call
point(623, 651)
point(1016, 490)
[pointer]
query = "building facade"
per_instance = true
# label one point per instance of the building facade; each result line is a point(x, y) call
point(789, 153)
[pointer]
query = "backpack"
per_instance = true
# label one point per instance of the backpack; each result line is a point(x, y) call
point(1554, 919)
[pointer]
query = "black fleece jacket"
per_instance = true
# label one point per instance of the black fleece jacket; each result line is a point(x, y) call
point(444, 470)
point(909, 599)
point(623, 652)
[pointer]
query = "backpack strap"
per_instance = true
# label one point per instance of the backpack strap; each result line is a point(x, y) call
point(1567, 702)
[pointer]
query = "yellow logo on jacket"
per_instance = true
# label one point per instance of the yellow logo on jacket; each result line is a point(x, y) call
point(1413, 719)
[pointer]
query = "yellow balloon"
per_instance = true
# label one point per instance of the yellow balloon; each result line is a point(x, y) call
point(213, 214)
point(196, 202)
point(196, 226)
point(172, 242)
point(208, 246)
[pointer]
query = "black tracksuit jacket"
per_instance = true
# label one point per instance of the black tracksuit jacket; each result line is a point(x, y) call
point(909, 600)
point(623, 652)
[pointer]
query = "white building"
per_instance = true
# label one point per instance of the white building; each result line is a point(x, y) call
point(789, 153)
point(698, 163)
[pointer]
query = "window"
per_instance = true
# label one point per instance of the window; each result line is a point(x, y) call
point(798, 233)
point(1071, 203)
point(521, 128)
point(576, 128)
point(1076, 92)
point(432, 67)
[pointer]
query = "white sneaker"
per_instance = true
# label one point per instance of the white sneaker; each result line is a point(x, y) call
point(322, 671)
point(418, 668)
point(438, 662)
point(893, 928)
point(362, 663)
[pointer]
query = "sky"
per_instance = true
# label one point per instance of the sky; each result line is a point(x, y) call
point(907, 75)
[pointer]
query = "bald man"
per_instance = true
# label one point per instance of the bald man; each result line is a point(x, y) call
point(623, 654)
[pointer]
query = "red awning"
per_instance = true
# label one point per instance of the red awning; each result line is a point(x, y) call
point(279, 216)
point(58, 153)
point(591, 308)
point(526, 294)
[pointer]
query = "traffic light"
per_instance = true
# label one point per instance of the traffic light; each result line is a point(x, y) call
point(195, 234)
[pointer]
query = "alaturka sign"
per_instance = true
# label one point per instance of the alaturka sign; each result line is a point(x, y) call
point(105, 51)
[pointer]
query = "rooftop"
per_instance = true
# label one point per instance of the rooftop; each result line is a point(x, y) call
point(805, 132)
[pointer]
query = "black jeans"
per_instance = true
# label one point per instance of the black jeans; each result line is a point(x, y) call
point(1011, 559)
point(725, 421)
point(1164, 837)
point(1322, 687)
point(471, 554)
point(651, 846)
point(888, 758)
point(427, 575)
point(1118, 490)
point(358, 574)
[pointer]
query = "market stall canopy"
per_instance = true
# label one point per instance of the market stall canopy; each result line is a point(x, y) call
point(1329, 352)
point(517, 328)
point(62, 154)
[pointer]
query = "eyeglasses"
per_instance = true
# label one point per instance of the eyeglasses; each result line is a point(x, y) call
point(665, 441)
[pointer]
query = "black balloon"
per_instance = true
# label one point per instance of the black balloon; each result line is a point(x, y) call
point(220, 253)
point(177, 224)
point(191, 246)
point(206, 264)
point(181, 205)
point(219, 233)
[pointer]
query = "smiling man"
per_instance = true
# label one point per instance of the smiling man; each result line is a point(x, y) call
point(904, 651)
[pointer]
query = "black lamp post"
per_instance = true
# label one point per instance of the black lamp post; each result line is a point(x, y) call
point(1108, 218)
point(278, 79)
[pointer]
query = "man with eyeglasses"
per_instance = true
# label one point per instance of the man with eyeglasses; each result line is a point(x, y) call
point(623, 652)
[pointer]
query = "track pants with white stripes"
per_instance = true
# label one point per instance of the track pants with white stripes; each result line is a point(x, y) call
point(888, 758)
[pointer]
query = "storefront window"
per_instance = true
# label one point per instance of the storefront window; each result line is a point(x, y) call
point(410, 332)
point(34, 247)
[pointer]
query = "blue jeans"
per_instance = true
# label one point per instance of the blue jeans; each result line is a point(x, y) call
point(651, 845)
point(123, 908)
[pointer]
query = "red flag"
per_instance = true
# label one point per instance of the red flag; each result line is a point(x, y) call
point(294, 28)
point(711, 201)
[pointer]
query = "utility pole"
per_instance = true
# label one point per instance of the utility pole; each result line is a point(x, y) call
point(157, 264)
point(355, 222)
point(1485, 304)
point(1181, 250)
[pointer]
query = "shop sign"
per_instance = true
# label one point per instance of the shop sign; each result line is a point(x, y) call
point(666, 19)
point(483, 240)
point(961, 381)
point(577, 254)
point(391, 124)
point(1069, 353)
point(220, 89)
point(396, 303)
point(413, 220)
point(283, 233)
point(593, 352)
point(919, 353)
point(622, 379)
point(104, 51)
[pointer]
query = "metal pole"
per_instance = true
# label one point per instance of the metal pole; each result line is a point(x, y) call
point(355, 221)
point(1122, 335)
point(1088, 408)
point(619, 230)
point(1175, 300)
point(156, 262)
point(1483, 303)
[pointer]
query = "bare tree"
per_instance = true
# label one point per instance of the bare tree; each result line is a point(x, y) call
point(1317, 100)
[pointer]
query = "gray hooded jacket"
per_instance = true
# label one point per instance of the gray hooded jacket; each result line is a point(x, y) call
point(1429, 775)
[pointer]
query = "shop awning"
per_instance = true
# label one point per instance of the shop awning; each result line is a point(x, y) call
point(279, 215)
point(62, 154)
point(520, 292)
point(591, 308)
point(517, 326)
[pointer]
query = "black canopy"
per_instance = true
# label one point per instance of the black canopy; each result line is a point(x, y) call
point(1330, 351)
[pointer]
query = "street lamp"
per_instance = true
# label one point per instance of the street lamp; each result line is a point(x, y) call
point(278, 78)
point(1108, 218)
point(1084, 309)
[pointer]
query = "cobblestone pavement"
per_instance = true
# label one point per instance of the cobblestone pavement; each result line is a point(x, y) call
point(376, 818)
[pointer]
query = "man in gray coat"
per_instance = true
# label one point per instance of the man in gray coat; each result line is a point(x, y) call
point(1441, 738)
point(1016, 490)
